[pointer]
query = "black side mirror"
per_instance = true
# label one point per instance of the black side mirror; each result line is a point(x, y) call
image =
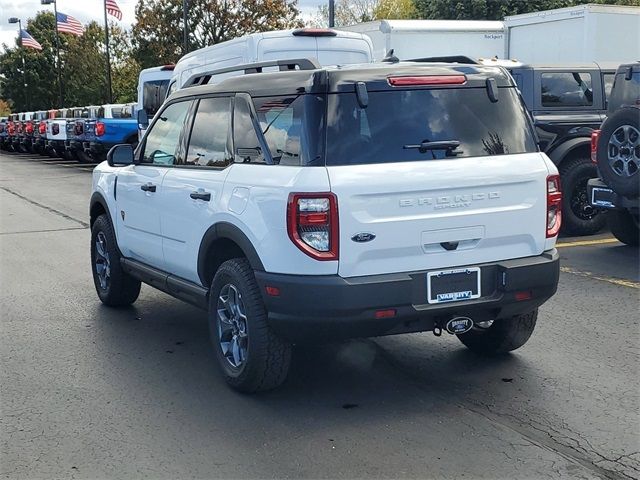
point(120, 155)
point(143, 119)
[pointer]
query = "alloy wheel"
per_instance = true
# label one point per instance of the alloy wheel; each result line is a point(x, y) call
point(232, 326)
point(623, 151)
point(102, 261)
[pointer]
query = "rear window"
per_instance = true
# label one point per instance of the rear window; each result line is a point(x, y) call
point(396, 124)
point(153, 94)
point(625, 92)
point(566, 89)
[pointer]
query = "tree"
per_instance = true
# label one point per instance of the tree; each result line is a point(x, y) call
point(124, 67)
point(395, 10)
point(496, 9)
point(157, 35)
point(5, 108)
point(347, 12)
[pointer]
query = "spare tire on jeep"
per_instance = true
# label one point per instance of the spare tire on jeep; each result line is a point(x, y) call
point(619, 151)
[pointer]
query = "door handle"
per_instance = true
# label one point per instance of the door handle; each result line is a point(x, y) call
point(206, 196)
point(149, 187)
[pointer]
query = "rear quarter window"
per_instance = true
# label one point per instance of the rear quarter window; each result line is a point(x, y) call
point(566, 89)
point(395, 122)
point(625, 92)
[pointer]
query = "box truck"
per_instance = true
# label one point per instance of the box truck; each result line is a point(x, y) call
point(586, 33)
point(412, 39)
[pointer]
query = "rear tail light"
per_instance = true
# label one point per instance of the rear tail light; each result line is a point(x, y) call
point(595, 137)
point(55, 129)
point(29, 128)
point(100, 129)
point(312, 224)
point(42, 128)
point(427, 80)
point(554, 205)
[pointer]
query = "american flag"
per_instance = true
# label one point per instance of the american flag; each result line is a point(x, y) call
point(68, 24)
point(29, 41)
point(113, 9)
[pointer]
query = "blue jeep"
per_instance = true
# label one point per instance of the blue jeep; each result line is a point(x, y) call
point(113, 125)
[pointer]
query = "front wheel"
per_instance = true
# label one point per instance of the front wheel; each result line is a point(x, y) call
point(114, 286)
point(502, 335)
point(625, 226)
point(250, 355)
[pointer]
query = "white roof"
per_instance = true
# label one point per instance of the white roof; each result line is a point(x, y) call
point(387, 26)
point(569, 12)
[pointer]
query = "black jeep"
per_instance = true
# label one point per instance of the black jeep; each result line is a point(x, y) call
point(616, 150)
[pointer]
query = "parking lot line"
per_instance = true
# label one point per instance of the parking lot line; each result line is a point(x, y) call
point(586, 243)
point(602, 278)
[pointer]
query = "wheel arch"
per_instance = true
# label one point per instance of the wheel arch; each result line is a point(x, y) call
point(98, 206)
point(222, 242)
point(571, 149)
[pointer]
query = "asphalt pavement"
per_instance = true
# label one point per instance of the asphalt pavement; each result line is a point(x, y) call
point(92, 392)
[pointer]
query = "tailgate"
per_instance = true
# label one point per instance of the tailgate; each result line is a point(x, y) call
point(439, 214)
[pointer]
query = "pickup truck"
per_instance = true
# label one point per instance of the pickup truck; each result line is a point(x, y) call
point(113, 125)
point(57, 134)
point(4, 132)
point(76, 131)
point(567, 104)
point(25, 132)
point(39, 142)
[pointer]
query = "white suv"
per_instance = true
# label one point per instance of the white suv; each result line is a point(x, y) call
point(317, 203)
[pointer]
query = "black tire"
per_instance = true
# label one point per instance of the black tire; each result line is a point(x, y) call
point(83, 157)
point(121, 289)
point(267, 356)
point(621, 183)
point(625, 227)
point(579, 217)
point(503, 336)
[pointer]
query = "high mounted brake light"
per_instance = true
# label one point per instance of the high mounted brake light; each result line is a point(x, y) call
point(167, 68)
point(595, 136)
point(427, 80)
point(314, 32)
point(312, 224)
point(554, 205)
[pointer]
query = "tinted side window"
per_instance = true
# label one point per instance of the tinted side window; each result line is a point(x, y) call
point(566, 89)
point(625, 92)
point(607, 80)
point(281, 121)
point(163, 142)
point(153, 94)
point(246, 142)
point(210, 144)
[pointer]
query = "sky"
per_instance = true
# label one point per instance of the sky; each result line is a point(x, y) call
point(85, 11)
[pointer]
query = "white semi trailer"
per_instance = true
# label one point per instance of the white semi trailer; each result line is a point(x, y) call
point(411, 39)
point(586, 33)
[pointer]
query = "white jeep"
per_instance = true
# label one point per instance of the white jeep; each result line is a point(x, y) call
point(317, 203)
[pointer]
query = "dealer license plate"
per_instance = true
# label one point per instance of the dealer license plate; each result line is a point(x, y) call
point(453, 285)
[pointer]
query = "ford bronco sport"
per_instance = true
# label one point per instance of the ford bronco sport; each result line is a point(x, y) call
point(315, 203)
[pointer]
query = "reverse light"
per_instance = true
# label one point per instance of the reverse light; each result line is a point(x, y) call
point(427, 80)
point(554, 205)
point(312, 224)
point(595, 137)
point(100, 129)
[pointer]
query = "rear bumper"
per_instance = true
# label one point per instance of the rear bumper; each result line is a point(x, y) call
point(602, 196)
point(331, 306)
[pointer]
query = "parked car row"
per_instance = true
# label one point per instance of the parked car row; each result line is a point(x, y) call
point(80, 133)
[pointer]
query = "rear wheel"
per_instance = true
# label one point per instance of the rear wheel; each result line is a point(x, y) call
point(625, 226)
point(579, 217)
point(251, 356)
point(114, 286)
point(501, 335)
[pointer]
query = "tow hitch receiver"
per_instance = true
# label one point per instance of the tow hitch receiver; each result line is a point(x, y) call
point(455, 326)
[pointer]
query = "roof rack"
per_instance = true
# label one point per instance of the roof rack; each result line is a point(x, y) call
point(203, 78)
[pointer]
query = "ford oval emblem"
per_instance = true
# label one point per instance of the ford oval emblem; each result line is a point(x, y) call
point(459, 325)
point(363, 237)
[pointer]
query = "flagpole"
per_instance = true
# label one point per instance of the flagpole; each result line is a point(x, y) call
point(24, 68)
point(59, 65)
point(106, 31)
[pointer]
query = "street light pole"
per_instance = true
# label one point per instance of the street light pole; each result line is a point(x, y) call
point(185, 39)
point(58, 65)
point(24, 63)
point(332, 13)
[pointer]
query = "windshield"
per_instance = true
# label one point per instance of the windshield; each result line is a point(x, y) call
point(415, 125)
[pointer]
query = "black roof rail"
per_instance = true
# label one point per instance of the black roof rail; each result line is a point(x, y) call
point(446, 59)
point(301, 63)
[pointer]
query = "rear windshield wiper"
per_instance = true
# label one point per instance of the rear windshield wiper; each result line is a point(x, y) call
point(449, 146)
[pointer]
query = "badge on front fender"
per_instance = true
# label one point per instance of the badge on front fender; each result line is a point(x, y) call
point(459, 325)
